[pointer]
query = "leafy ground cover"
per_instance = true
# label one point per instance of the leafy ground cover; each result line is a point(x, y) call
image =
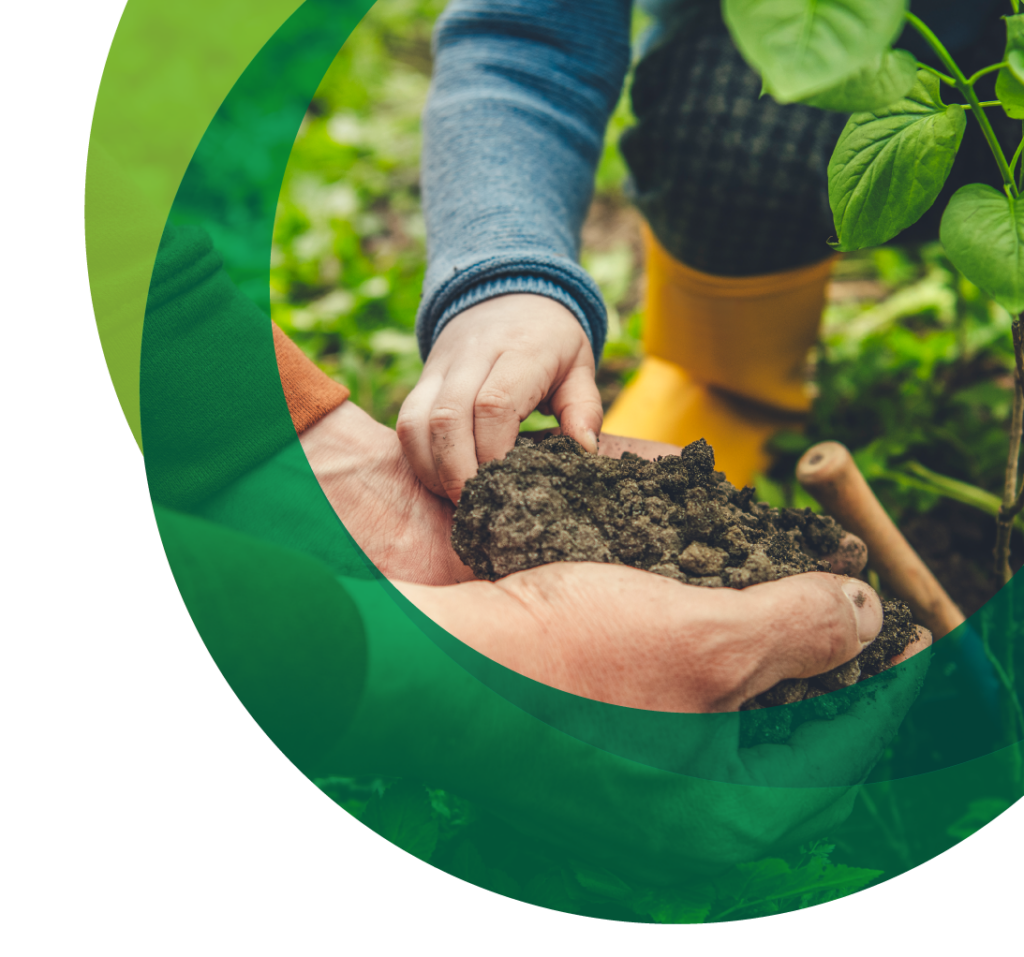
point(914, 372)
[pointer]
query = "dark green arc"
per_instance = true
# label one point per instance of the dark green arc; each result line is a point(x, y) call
point(245, 151)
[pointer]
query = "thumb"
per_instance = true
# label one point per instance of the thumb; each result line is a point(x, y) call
point(808, 624)
point(577, 406)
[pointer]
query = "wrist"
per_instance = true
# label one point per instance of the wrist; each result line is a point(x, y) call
point(509, 286)
point(352, 457)
point(401, 527)
point(448, 291)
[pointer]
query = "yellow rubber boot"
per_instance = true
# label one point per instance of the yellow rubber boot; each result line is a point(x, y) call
point(725, 359)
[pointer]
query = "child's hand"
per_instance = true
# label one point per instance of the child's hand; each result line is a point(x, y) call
point(491, 366)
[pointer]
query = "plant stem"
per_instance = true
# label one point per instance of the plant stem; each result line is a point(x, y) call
point(988, 69)
point(967, 90)
point(915, 475)
point(1013, 499)
point(1005, 677)
point(1016, 156)
point(948, 80)
point(984, 103)
point(897, 843)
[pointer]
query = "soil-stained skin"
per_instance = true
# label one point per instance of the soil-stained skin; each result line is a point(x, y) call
point(551, 501)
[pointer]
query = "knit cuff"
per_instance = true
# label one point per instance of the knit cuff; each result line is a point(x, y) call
point(491, 289)
point(309, 392)
point(515, 271)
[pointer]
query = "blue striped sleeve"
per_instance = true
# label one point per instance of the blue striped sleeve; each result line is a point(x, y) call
point(513, 130)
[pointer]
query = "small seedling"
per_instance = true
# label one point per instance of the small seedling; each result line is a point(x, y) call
point(896, 151)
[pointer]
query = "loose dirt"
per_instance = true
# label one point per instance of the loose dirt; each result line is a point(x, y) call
point(551, 501)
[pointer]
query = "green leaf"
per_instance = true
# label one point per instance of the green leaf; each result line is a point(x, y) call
point(404, 816)
point(1015, 45)
point(1010, 81)
point(886, 80)
point(890, 164)
point(1010, 92)
point(772, 880)
point(803, 47)
point(689, 905)
point(1016, 60)
point(983, 232)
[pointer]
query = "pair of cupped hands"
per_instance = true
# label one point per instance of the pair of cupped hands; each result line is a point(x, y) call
point(610, 633)
point(614, 634)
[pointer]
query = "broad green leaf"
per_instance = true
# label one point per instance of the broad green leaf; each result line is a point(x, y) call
point(404, 816)
point(890, 164)
point(1010, 81)
point(983, 232)
point(1011, 94)
point(1015, 45)
point(773, 880)
point(1016, 59)
point(734, 884)
point(803, 47)
point(886, 80)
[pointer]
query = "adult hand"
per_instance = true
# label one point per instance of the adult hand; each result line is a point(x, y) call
point(630, 638)
point(614, 634)
point(490, 367)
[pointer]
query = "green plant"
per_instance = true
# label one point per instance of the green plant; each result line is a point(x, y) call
point(898, 147)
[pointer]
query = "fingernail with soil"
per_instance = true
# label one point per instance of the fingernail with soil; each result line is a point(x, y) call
point(588, 440)
point(866, 608)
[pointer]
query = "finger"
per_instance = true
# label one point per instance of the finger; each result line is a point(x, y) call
point(452, 443)
point(577, 406)
point(511, 392)
point(842, 751)
point(850, 557)
point(919, 644)
point(413, 428)
point(806, 625)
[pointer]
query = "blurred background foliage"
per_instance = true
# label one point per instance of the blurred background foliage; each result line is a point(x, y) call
point(913, 368)
point(349, 247)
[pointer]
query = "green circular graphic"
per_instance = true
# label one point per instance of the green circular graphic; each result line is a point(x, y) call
point(515, 786)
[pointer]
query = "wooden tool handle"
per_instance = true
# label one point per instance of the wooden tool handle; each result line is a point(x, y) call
point(828, 472)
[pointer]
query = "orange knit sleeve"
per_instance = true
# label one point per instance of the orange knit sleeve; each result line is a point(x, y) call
point(310, 393)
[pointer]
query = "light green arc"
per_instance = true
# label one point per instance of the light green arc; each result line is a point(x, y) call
point(168, 75)
point(169, 69)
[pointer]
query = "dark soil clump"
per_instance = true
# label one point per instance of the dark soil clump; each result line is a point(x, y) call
point(550, 501)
